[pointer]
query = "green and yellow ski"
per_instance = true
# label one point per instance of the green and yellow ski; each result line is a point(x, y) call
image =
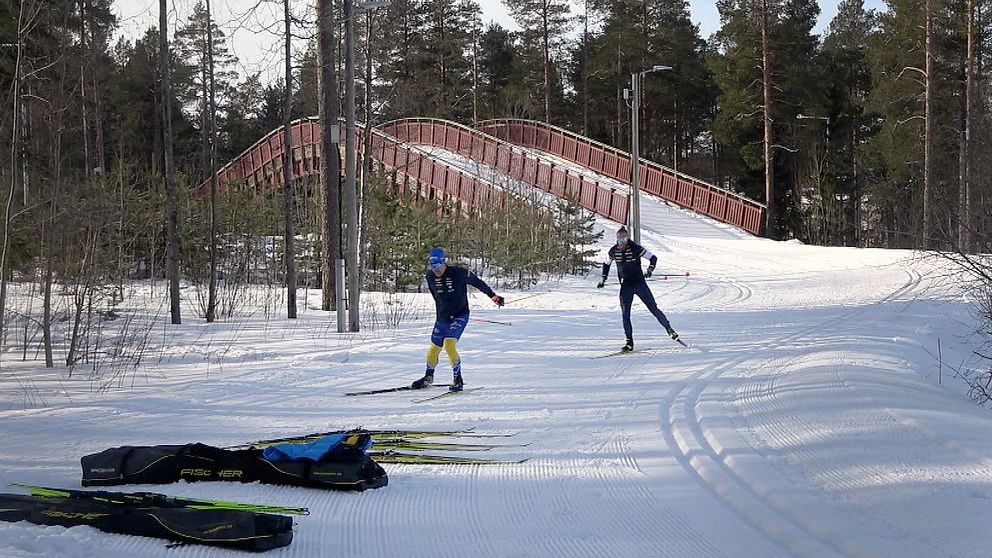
point(431, 459)
point(151, 499)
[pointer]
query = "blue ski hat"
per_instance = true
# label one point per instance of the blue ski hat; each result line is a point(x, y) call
point(436, 258)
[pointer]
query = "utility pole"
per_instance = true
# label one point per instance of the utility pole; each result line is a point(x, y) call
point(635, 161)
point(636, 78)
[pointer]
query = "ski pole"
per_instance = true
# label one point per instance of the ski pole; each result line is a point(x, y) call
point(664, 276)
point(490, 321)
point(524, 297)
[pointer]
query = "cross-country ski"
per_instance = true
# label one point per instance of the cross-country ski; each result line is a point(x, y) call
point(446, 394)
point(390, 390)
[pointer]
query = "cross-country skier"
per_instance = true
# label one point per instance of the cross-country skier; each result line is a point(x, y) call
point(628, 254)
point(449, 287)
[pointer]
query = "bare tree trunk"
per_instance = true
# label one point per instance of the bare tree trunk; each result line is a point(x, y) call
point(84, 114)
point(46, 309)
point(369, 116)
point(965, 230)
point(83, 288)
point(15, 162)
point(157, 156)
point(100, 158)
point(330, 139)
point(170, 172)
point(475, 73)
point(619, 128)
point(766, 77)
point(547, 60)
point(675, 133)
point(350, 194)
point(856, 179)
point(48, 231)
point(287, 173)
point(585, 69)
point(212, 169)
point(928, 131)
point(366, 143)
point(366, 149)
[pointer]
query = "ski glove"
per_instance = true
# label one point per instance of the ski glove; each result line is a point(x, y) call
point(498, 300)
point(649, 271)
point(601, 284)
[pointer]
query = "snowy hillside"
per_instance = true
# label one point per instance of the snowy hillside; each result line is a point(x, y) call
point(810, 416)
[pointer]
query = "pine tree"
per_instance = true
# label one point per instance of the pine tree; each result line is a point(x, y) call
point(500, 80)
point(244, 124)
point(544, 24)
point(193, 75)
point(426, 49)
point(899, 152)
point(736, 60)
point(677, 105)
point(845, 45)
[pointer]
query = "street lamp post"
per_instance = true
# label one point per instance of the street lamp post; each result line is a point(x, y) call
point(635, 172)
point(350, 193)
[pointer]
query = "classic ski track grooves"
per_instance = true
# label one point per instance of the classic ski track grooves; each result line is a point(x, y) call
point(703, 458)
point(657, 518)
point(837, 480)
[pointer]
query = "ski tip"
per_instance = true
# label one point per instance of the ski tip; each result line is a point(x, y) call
point(447, 394)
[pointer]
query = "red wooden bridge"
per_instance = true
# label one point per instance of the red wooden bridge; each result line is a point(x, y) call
point(551, 159)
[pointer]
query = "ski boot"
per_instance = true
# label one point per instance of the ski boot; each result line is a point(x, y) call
point(456, 383)
point(424, 382)
point(673, 334)
point(628, 347)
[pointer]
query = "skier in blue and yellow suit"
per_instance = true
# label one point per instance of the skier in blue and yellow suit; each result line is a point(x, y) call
point(628, 256)
point(449, 287)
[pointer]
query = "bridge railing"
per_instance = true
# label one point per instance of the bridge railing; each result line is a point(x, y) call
point(666, 183)
point(260, 166)
point(513, 161)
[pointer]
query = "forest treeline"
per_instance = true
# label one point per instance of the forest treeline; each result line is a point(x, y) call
point(874, 133)
point(877, 127)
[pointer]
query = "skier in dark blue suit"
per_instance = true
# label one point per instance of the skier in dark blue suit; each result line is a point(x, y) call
point(628, 256)
point(449, 287)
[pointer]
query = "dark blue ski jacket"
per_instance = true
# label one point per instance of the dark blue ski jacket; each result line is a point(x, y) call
point(450, 290)
point(628, 261)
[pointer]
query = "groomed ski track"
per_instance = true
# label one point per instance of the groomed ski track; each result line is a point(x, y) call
point(805, 420)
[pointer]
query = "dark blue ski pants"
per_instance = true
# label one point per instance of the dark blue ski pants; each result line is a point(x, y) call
point(640, 288)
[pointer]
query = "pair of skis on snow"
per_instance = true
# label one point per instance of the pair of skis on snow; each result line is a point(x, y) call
point(153, 500)
point(635, 351)
point(466, 390)
point(447, 393)
point(403, 446)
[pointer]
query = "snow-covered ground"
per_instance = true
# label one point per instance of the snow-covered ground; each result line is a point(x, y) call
point(810, 416)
